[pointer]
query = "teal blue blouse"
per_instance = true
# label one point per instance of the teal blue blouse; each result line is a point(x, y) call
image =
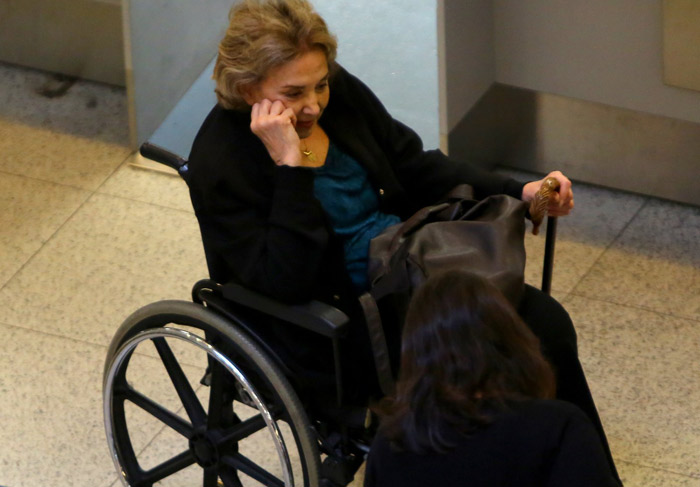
point(352, 205)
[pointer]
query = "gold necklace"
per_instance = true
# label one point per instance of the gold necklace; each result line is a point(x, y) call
point(308, 153)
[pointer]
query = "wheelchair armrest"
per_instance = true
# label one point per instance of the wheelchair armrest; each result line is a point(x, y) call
point(315, 316)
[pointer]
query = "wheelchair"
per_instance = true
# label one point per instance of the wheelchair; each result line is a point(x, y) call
point(194, 395)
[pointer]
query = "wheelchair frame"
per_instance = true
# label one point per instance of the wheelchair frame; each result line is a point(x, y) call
point(242, 371)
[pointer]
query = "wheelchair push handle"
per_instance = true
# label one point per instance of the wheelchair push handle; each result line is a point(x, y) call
point(159, 154)
point(539, 204)
point(538, 210)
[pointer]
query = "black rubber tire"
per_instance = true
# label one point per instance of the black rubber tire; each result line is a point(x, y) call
point(276, 389)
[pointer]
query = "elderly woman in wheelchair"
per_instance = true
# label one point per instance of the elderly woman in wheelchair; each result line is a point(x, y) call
point(292, 173)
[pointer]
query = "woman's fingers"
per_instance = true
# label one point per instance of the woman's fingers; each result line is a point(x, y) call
point(292, 116)
point(278, 108)
point(563, 201)
point(274, 124)
point(261, 109)
point(558, 209)
point(267, 113)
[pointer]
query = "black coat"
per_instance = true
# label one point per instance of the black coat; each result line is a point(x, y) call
point(261, 224)
point(537, 444)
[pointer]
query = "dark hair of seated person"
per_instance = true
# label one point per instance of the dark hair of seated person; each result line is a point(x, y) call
point(465, 356)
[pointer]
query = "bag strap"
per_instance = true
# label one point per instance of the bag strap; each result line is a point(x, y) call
point(443, 210)
point(413, 223)
point(459, 192)
point(377, 338)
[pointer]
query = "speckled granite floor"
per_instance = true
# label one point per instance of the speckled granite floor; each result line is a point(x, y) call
point(85, 239)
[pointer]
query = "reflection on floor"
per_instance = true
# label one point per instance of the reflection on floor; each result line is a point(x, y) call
point(85, 239)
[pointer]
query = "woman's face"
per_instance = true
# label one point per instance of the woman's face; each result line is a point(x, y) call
point(301, 84)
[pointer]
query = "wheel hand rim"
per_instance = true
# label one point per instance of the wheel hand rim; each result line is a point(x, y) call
point(167, 332)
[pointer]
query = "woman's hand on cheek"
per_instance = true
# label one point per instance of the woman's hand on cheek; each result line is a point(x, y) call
point(563, 201)
point(274, 124)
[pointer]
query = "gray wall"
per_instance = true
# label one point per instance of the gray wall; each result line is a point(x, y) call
point(392, 46)
point(168, 45)
point(81, 38)
point(681, 41)
point(603, 51)
point(469, 63)
point(580, 87)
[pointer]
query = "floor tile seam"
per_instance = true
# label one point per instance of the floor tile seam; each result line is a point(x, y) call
point(610, 244)
point(86, 342)
point(90, 195)
point(99, 191)
point(49, 239)
point(48, 181)
point(149, 203)
point(564, 297)
point(159, 432)
point(54, 335)
point(634, 306)
point(153, 357)
point(89, 198)
point(658, 469)
point(114, 170)
point(150, 442)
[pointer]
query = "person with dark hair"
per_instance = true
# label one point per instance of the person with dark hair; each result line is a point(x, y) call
point(299, 166)
point(474, 401)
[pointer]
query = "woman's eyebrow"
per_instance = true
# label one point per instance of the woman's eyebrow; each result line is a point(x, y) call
point(299, 87)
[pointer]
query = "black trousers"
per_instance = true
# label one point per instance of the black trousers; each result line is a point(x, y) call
point(310, 356)
point(550, 322)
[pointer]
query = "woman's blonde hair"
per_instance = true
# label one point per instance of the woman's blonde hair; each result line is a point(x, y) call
point(262, 35)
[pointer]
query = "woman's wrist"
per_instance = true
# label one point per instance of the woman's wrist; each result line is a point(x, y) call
point(529, 190)
point(290, 158)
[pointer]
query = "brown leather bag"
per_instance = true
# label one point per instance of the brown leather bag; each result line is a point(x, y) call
point(484, 237)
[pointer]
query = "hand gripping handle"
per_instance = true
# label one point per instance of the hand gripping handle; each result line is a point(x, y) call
point(539, 204)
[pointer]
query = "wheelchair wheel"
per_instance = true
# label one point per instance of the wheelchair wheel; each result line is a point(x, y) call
point(253, 430)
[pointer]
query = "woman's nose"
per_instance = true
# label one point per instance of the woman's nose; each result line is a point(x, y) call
point(311, 105)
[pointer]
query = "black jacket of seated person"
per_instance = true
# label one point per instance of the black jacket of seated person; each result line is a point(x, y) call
point(538, 443)
point(262, 227)
point(261, 223)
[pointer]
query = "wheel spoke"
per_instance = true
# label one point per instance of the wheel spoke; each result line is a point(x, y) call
point(210, 424)
point(125, 449)
point(189, 399)
point(211, 477)
point(230, 478)
point(156, 410)
point(243, 430)
point(243, 464)
point(165, 469)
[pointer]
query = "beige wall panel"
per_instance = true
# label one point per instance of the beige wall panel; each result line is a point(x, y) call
point(81, 38)
point(391, 45)
point(168, 45)
point(469, 57)
point(590, 142)
point(682, 43)
point(602, 51)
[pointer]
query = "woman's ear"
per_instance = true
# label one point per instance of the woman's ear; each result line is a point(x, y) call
point(249, 93)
